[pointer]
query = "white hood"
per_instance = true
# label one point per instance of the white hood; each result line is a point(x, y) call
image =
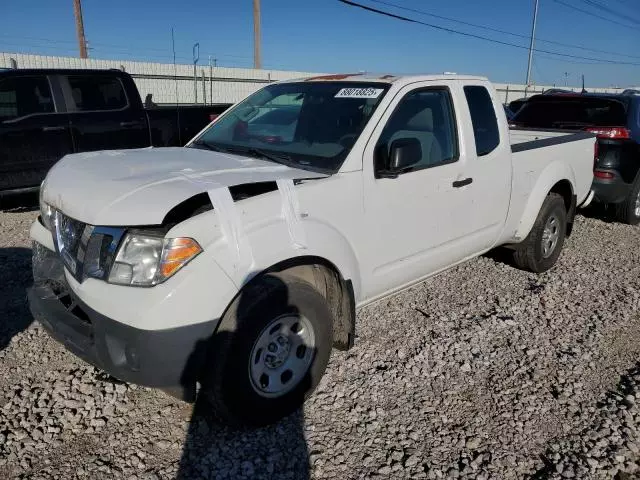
point(139, 187)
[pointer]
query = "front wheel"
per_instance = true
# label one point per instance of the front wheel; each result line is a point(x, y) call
point(270, 351)
point(541, 249)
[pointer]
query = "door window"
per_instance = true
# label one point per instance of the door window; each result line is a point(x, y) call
point(95, 93)
point(483, 118)
point(22, 96)
point(427, 116)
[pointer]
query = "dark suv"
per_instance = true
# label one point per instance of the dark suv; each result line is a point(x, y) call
point(615, 119)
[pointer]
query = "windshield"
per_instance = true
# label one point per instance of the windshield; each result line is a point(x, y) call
point(308, 125)
point(571, 112)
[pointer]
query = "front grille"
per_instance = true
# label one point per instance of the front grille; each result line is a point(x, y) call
point(85, 250)
point(69, 234)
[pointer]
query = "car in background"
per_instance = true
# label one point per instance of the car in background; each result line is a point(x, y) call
point(508, 112)
point(615, 119)
point(555, 91)
point(516, 105)
point(46, 114)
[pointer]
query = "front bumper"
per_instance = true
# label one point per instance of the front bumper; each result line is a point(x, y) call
point(170, 359)
point(614, 190)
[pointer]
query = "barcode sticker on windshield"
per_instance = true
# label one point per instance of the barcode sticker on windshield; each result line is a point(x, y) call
point(359, 93)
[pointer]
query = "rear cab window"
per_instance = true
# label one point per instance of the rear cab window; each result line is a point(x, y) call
point(483, 119)
point(96, 93)
point(21, 96)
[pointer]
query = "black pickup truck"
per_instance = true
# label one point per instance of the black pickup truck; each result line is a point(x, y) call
point(46, 114)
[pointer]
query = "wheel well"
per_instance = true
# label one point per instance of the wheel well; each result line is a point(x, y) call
point(565, 190)
point(328, 280)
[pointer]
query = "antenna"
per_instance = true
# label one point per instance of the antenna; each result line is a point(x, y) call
point(175, 79)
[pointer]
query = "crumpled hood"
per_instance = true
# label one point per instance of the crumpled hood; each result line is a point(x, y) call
point(139, 187)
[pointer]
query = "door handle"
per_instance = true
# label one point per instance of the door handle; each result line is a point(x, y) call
point(462, 183)
point(133, 123)
point(54, 129)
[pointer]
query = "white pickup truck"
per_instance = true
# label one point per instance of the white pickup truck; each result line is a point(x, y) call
point(231, 267)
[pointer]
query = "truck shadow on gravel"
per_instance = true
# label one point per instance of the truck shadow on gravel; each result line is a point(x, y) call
point(15, 277)
point(212, 450)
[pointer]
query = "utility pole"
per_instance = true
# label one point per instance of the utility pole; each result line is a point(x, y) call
point(210, 80)
point(196, 57)
point(533, 37)
point(257, 61)
point(82, 43)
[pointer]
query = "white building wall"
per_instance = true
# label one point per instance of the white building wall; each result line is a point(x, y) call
point(224, 85)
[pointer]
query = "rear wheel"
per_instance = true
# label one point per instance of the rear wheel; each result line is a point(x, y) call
point(270, 351)
point(629, 210)
point(541, 249)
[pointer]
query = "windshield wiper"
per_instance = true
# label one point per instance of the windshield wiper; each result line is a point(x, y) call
point(210, 146)
point(256, 152)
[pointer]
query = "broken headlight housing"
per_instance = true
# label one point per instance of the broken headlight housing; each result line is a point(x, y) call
point(146, 260)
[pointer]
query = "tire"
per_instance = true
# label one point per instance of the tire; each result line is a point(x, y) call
point(629, 210)
point(531, 254)
point(232, 383)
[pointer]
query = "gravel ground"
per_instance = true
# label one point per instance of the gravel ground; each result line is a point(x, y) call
point(482, 372)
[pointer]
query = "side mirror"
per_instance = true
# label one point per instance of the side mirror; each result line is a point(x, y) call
point(404, 153)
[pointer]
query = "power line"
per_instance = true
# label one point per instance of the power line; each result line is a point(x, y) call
point(536, 67)
point(564, 60)
point(626, 2)
point(96, 45)
point(70, 51)
point(586, 12)
point(480, 37)
point(497, 30)
point(60, 48)
point(48, 40)
point(608, 10)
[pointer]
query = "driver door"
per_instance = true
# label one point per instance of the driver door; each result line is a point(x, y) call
point(416, 222)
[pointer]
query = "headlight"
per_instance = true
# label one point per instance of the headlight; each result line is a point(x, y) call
point(147, 260)
point(46, 212)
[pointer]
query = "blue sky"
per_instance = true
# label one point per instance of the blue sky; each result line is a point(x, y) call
point(328, 36)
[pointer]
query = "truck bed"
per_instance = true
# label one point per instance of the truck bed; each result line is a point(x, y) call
point(539, 153)
point(523, 139)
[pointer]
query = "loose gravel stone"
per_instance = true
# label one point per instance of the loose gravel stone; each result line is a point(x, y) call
point(481, 372)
